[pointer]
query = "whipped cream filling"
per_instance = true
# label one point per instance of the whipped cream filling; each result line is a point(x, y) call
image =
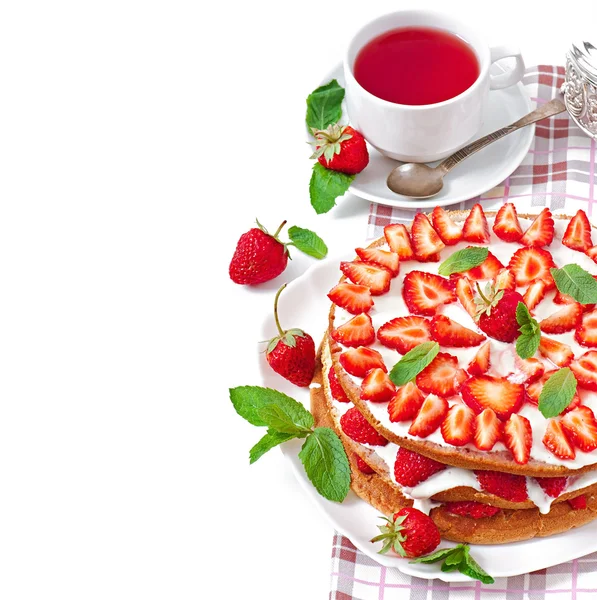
point(391, 305)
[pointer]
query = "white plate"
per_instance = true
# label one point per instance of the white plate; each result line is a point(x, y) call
point(476, 175)
point(304, 304)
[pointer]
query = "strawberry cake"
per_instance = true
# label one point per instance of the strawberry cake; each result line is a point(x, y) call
point(460, 371)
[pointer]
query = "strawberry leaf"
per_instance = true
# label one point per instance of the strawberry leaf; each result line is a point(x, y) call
point(324, 105)
point(557, 393)
point(308, 242)
point(528, 341)
point(413, 362)
point(270, 440)
point(576, 282)
point(463, 260)
point(325, 186)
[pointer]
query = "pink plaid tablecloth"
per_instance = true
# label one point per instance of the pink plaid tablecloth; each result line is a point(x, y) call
point(559, 172)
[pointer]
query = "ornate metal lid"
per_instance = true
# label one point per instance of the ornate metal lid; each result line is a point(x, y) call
point(584, 55)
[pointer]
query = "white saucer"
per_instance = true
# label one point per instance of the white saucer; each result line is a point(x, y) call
point(476, 175)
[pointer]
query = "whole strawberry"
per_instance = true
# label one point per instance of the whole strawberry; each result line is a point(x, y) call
point(291, 353)
point(497, 313)
point(410, 533)
point(259, 256)
point(341, 148)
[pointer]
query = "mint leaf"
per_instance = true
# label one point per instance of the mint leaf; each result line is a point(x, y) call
point(576, 282)
point(435, 556)
point(463, 260)
point(288, 416)
point(413, 362)
point(324, 105)
point(557, 393)
point(308, 242)
point(472, 569)
point(527, 343)
point(326, 464)
point(325, 186)
point(270, 440)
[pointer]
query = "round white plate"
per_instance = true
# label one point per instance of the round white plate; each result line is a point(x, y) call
point(474, 176)
point(304, 304)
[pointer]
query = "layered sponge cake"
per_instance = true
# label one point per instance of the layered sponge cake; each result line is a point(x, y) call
point(487, 310)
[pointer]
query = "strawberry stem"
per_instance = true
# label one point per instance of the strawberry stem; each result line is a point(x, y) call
point(481, 293)
point(280, 330)
point(280, 229)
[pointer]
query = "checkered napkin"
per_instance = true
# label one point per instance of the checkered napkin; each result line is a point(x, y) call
point(559, 172)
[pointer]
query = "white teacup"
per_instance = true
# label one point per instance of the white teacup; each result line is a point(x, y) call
point(424, 133)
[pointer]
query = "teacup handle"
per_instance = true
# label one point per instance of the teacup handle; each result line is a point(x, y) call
point(504, 80)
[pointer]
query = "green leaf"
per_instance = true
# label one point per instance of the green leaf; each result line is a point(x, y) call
point(308, 242)
point(456, 557)
point(326, 464)
point(463, 260)
point(324, 105)
point(413, 362)
point(528, 341)
point(446, 568)
point(435, 556)
point(270, 440)
point(325, 186)
point(576, 282)
point(557, 393)
point(472, 569)
point(287, 417)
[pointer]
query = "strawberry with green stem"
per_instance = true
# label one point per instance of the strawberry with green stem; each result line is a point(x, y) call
point(497, 313)
point(340, 148)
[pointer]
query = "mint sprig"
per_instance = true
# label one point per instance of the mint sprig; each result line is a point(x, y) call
point(324, 105)
point(325, 186)
point(463, 260)
point(307, 241)
point(557, 393)
point(457, 559)
point(322, 453)
point(530, 332)
point(576, 282)
point(413, 362)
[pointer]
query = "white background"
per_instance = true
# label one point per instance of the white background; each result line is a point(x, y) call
point(138, 140)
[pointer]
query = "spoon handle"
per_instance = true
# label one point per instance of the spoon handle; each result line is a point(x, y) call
point(553, 107)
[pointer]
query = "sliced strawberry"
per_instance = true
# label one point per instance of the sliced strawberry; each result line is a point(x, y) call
point(530, 370)
point(557, 442)
point(464, 292)
point(406, 403)
point(507, 486)
point(442, 377)
point(559, 354)
point(362, 466)
point(448, 231)
point(488, 269)
point(530, 264)
point(471, 509)
point(504, 280)
point(381, 258)
point(592, 253)
point(359, 361)
point(411, 468)
point(458, 428)
point(541, 231)
point(552, 486)
point(518, 438)
point(480, 364)
point(581, 427)
point(578, 503)
point(425, 292)
point(399, 241)
point(534, 294)
point(506, 225)
point(377, 386)
point(357, 428)
point(404, 333)
point(560, 298)
point(585, 370)
point(488, 430)
point(356, 332)
point(355, 299)
point(429, 417)
point(449, 333)
point(377, 279)
point(566, 319)
point(425, 240)
point(578, 233)
point(502, 396)
point(475, 228)
point(534, 391)
point(338, 393)
point(586, 334)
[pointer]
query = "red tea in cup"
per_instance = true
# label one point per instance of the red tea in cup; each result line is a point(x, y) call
point(416, 66)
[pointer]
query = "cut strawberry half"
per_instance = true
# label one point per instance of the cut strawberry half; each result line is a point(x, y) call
point(502, 396)
point(581, 427)
point(560, 298)
point(586, 334)
point(472, 509)
point(356, 332)
point(380, 258)
point(504, 280)
point(442, 376)
point(377, 386)
point(559, 354)
point(357, 428)
point(338, 393)
point(448, 231)
point(530, 264)
point(592, 253)
point(425, 241)
point(464, 293)
point(578, 503)
point(430, 416)
point(481, 363)
point(404, 333)
point(578, 233)
point(488, 430)
point(377, 279)
point(534, 391)
point(518, 438)
point(411, 468)
point(399, 241)
point(534, 294)
point(406, 403)
point(488, 269)
point(425, 292)
point(529, 370)
point(355, 299)
point(359, 361)
point(557, 442)
point(567, 319)
point(507, 486)
point(458, 428)
point(449, 333)
point(552, 486)
point(585, 370)
point(475, 228)
point(541, 231)
point(506, 225)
